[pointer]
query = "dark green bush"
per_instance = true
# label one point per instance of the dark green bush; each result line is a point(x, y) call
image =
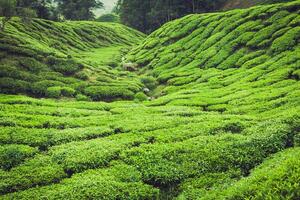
point(13, 86)
point(287, 41)
point(51, 75)
point(149, 81)
point(67, 91)
point(31, 64)
point(2, 54)
point(108, 93)
point(105, 79)
point(13, 155)
point(140, 96)
point(81, 97)
point(40, 170)
point(14, 72)
point(53, 92)
point(80, 86)
point(40, 88)
point(81, 75)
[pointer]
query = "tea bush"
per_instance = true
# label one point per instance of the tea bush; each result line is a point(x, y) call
point(276, 178)
point(118, 182)
point(13, 155)
point(37, 171)
point(40, 88)
point(149, 82)
point(9, 85)
point(81, 97)
point(108, 93)
point(140, 96)
point(53, 92)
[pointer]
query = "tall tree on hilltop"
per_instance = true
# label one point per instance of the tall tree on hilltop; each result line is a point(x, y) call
point(78, 9)
point(134, 13)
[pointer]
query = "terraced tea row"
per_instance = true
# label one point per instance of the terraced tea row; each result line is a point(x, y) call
point(241, 61)
point(166, 146)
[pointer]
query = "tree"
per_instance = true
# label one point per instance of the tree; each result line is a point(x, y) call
point(7, 10)
point(147, 15)
point(78, 9)
point(111, 17)
point(134, 13)
point(27, 14)
point(43, 8)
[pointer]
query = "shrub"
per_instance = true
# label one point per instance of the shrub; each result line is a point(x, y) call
point(149, 81)
point(108, 93)
point(40, 170)
point(2, 54)
point(287, 41)
point(50, 75)
point(106, 79)
point(53, 92)
point(276, 178)
point(31, 64)
point(82, 75)
point(140, 96)
point(40, 88)
point(13, 155)
point(67, 91)
point(64, 66)
point(165, 164)
point(13, 86)
point(80, 86)
point(81, 97)
point(117, 182)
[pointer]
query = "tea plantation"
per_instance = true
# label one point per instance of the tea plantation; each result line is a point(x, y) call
point(61, 59)
point(209, 109)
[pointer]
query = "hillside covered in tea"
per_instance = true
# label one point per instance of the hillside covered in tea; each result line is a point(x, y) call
point(60, 59)
point(205, 107)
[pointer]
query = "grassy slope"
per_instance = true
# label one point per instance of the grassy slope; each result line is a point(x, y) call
point(229, 104)
point(69, 56)
point(241, 61)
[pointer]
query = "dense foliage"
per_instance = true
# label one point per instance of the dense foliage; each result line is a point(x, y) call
point(78, 9)
point(52, 60)
point(148, 15)
point(212, 108)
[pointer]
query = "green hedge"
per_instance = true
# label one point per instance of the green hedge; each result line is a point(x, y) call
point(168, 164)
point(40, 88)
point(277, 178)
point(64, 66)
point(13, 155)
point(117, 182)
point(108, 93)
point(37, 171)
point(13, 86)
